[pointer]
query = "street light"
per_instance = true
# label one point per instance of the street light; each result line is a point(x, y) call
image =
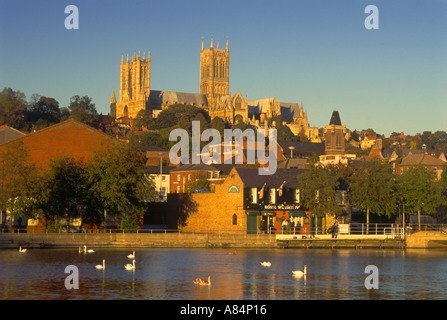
point(161, 154)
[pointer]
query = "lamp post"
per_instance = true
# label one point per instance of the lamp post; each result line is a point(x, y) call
point(161, 154)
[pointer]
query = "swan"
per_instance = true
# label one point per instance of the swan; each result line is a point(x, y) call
point(203, 282)
point(266, 264)
point(22, 250)
point(89, 250)
point(131, 256)
point(130, 266)
point(80, 250)
point(103, 266)
point(300, 273)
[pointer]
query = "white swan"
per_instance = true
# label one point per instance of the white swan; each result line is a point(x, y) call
point(203, 282)
point(266, 264)
point(300, 273)
point(22, 250)
point(131, 256)
point(89, 250)
point(130, 266)
point(103, 266)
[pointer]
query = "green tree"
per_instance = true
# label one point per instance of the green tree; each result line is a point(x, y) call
point(46, 110)
point(318, 190)
point(372, 189)
point(13, 108)
point(420, 191)
point(83, 109)
point(144, 119)
point(117, 184)
point(19, 180)
point(219, 124)
point(284, 133)
point(63, 187)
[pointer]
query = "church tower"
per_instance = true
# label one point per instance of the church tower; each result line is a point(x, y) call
point(334, 135)
point(134, 85)
point(214, 73)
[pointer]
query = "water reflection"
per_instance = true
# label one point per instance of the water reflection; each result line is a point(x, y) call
point(236, 275)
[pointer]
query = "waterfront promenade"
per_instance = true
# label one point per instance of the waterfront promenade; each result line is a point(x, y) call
point(421, 239)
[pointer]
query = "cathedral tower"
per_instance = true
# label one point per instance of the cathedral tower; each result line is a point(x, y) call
point(134, 85)
point(214, 72)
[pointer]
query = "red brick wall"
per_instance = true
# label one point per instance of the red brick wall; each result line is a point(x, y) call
point(68, 138)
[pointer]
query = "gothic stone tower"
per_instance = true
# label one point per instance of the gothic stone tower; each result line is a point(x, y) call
point(214, 73)
point(134, 86)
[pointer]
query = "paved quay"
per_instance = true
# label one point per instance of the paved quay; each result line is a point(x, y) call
point(421, 239)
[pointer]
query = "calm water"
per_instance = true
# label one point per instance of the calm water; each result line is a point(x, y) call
point(168, 274)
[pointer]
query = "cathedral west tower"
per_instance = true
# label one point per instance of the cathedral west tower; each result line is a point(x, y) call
point(134, 86)
point(214, 73)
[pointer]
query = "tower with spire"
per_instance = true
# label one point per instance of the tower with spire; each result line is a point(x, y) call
point(214, 72)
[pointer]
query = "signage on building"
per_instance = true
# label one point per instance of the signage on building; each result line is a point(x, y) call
point(282, 206)
point(233, 189)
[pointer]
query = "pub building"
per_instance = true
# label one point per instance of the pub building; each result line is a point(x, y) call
point(272, 202)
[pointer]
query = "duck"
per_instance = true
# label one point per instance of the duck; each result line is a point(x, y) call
point(203, 282)
point(103, 266)
point(299, 273)
point(130, 266)
point(88, 251)
point(131, 256)
point(22, 250)
point(266, 264)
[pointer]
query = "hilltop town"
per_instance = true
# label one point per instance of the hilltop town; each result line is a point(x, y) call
point(72, 169)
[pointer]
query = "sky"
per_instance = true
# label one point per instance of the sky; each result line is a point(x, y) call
point(317, 52)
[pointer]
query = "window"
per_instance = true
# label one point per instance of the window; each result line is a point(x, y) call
point(435, 171)
point(189, 177)
point(234, 220)
point(178, 177)
point(209, 175)
point(178, 189)
point(163, 178)
point(297, 195)
point(253, 195)
point(272, 195)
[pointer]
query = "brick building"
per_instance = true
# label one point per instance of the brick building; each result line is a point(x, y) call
point(67, 138)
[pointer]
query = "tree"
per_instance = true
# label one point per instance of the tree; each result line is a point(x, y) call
point(45, 109)
point(19, 180)
point(284, 133)
point(318, 190)
point(420, 191)
point(13, 108)
point(372, 188)
point(144, 119)
point(83, 109)
point(63, 188)
point(117, 184)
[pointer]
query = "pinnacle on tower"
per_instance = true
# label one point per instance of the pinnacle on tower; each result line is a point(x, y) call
point(127, 61)
point(122, 59)
point(211, 46)
point(144, 56)
point(202, 43)
point(113, 98)
point(227, 46)
point(217, 45)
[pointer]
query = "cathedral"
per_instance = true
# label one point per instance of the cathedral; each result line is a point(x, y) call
point(214, 94)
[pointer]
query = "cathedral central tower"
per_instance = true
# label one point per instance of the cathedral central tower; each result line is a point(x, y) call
point(214, 72)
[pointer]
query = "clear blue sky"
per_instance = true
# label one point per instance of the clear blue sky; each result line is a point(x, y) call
point(316, 51)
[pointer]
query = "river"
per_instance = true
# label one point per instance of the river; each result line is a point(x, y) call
point(168, 274)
